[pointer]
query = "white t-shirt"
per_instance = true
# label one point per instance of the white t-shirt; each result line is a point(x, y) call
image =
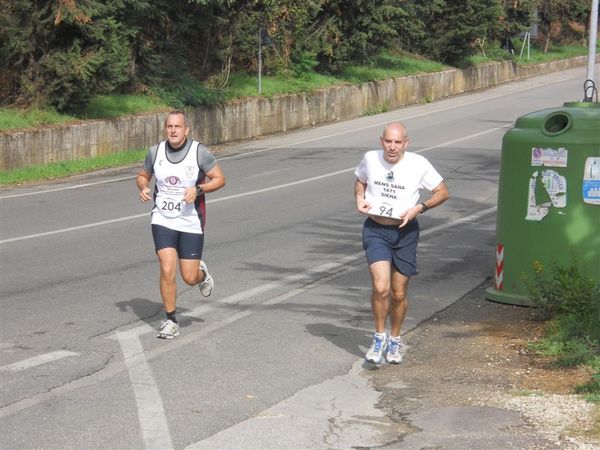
point(394, 188)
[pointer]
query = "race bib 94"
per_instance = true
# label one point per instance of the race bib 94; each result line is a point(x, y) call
point(384, 209)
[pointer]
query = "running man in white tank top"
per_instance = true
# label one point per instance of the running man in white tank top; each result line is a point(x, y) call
point(387, 189)
point(184, 171)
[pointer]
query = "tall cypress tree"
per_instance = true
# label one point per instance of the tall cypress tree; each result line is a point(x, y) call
point(62, 52)
point(355, 31)
point(456, 26)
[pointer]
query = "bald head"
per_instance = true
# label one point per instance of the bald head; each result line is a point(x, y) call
point(394, 127)
point(394, 142)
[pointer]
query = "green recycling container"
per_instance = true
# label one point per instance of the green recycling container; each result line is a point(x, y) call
point(548, 198)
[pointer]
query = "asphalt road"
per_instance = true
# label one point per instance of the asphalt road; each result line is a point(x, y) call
point(273, 357)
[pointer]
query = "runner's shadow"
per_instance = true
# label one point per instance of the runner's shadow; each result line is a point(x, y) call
point(151, 312)
point(347, 338)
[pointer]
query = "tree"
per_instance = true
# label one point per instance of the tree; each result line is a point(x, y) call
point(455, 27)
point(62, 52)
point(354, 31)
point(516, 16)
point(416, 25)
point(555, 16)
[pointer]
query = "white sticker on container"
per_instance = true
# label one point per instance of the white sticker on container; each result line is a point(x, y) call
point(591, 181)
point(546, 189)
point(556, 187)
point(535, 212)
point(549, 157)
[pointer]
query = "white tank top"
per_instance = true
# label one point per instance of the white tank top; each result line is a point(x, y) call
point(172, 179)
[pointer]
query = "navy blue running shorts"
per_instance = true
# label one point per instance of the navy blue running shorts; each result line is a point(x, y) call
point(393, 244)
point(188, 245)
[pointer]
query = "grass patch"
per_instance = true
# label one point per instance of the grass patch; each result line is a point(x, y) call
point(571, 301)
point(536, 54)
point(390, 65)
point(13, 118)
point(526, 393)
point(246, 85)
point(110, 106)
point(377, 110)
point(185, 92)
point(572, 351)
point(66, 168)
point(591, 389)
point(387, 65)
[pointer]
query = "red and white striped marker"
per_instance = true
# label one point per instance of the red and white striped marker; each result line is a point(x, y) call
point(499, 266)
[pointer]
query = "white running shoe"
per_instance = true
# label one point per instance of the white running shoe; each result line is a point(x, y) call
point(395, 351)
point(168, 330)
point(207, 284)
point(375, 353)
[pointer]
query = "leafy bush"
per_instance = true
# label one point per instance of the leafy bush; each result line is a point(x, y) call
point(188, 93)
point(305, 64)
point(592, 387)
point(572, 301)
point(564, 290)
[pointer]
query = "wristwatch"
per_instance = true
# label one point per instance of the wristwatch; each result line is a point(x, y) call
point(425, 208)
point(199, 190)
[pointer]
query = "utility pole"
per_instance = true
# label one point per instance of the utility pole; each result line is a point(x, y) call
point(592, 40)
point(259, 60)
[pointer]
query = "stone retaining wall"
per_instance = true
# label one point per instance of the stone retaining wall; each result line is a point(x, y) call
point(246, 118)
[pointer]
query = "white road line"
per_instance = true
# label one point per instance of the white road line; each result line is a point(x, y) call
point(80, 227)
point(37, 361)
point(66, 188)
point(434, 109)
point(153, 422)
point(311, 276)
point(244, 194)
point(367, 127)
point(326, 270)
point(147, 214)
point(304, 141)
point(470, 218)
point(151, 414)
point(340, 265)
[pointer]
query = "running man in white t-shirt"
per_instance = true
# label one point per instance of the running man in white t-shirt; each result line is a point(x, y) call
point(184, 171)
point(387, 189)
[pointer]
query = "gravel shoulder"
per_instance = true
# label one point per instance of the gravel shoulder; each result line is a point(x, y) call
point(469, 381)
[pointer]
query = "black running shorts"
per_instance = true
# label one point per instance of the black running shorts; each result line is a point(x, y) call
point(188, 245)
point(393, 244)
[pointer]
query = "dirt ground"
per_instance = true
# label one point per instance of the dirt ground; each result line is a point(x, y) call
point(476, 353)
